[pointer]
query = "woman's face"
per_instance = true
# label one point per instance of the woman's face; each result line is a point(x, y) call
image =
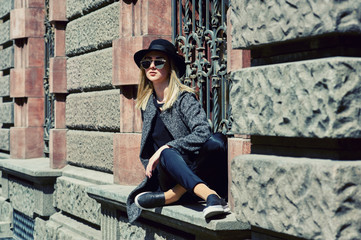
point(154, 74)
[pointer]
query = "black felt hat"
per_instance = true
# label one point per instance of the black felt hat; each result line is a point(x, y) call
point(166, 47)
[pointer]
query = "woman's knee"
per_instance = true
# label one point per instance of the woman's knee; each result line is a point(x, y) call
point(168, 154)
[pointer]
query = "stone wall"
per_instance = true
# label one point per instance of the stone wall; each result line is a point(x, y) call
point(6, 107)
point(6, 63)
point(299, 101)
point(92, 103)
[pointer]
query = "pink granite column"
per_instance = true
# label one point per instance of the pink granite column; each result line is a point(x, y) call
point(26, 79)
point(58, 84)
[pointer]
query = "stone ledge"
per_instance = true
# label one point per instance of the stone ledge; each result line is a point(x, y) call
point(175, 216)
point(29, 185)
point(30, 168)
point(83, 174)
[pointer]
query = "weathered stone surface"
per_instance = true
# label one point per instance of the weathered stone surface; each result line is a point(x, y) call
point(316, 98)
point(90, 71)
point(263, 22)
point(22, 196)
point(5, 7)
point(308, 198)
point(76, 8)
point(5, 32)
point(62, 227)
point(71, 197)
point(6, 211)
point(142, 231)
point(90, 149)
point(5, 139)
point(6, 216)
point(7, 112)
point(7, 58)
point(5, 86)
point(93, 31)
point(94, 110)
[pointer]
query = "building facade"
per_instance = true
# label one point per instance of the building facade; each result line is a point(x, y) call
point(280, 78)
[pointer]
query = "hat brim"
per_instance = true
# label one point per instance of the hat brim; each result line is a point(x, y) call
point(178, 60)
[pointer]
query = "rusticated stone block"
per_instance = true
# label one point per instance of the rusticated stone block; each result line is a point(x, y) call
point(307, 198)
point(263, 22)
point(5, 86)
point(5, 139)
point(83, 72)
point(93, 31)
point(6, 211)
point(141, 231)
point(128, 170)
point(7, 112)
point(26, 22)
point(60, 226)
point(90, 149)
point(5, 32)
point(22, 196)
point(30, 198)
point(93, 110)
point(316, 98)
point(6, 58)
point(5, 7)
point(75, 8)
point(70, 196)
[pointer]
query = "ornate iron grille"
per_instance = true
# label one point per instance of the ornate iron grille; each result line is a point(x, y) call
point(49, 97)
point(199, 32)
point(23, 226)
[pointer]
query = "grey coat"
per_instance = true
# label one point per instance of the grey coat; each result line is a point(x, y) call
point(187, 123)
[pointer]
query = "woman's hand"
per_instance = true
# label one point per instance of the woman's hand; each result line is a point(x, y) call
point(153, 161)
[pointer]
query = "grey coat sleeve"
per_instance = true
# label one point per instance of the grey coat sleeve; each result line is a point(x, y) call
point(194, 117)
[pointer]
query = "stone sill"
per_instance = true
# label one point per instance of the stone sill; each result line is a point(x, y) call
point(182, 217)
point(36, 169)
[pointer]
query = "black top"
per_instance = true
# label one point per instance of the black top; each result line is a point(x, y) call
point(160, 133)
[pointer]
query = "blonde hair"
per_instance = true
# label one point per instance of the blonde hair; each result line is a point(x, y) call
point(175, 87)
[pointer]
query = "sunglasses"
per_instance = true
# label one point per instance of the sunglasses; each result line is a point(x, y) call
point(158, 63)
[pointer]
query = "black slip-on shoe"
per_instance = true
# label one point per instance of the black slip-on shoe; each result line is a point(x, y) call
point(148, 200)
point(215, 206)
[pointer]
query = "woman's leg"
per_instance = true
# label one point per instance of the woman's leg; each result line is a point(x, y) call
point(212, 164)
point(174, 194)
point(174, 170)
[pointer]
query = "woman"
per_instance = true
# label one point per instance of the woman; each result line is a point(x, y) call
point(175, 134)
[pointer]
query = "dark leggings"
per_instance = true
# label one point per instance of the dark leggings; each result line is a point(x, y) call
point(210, 167)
